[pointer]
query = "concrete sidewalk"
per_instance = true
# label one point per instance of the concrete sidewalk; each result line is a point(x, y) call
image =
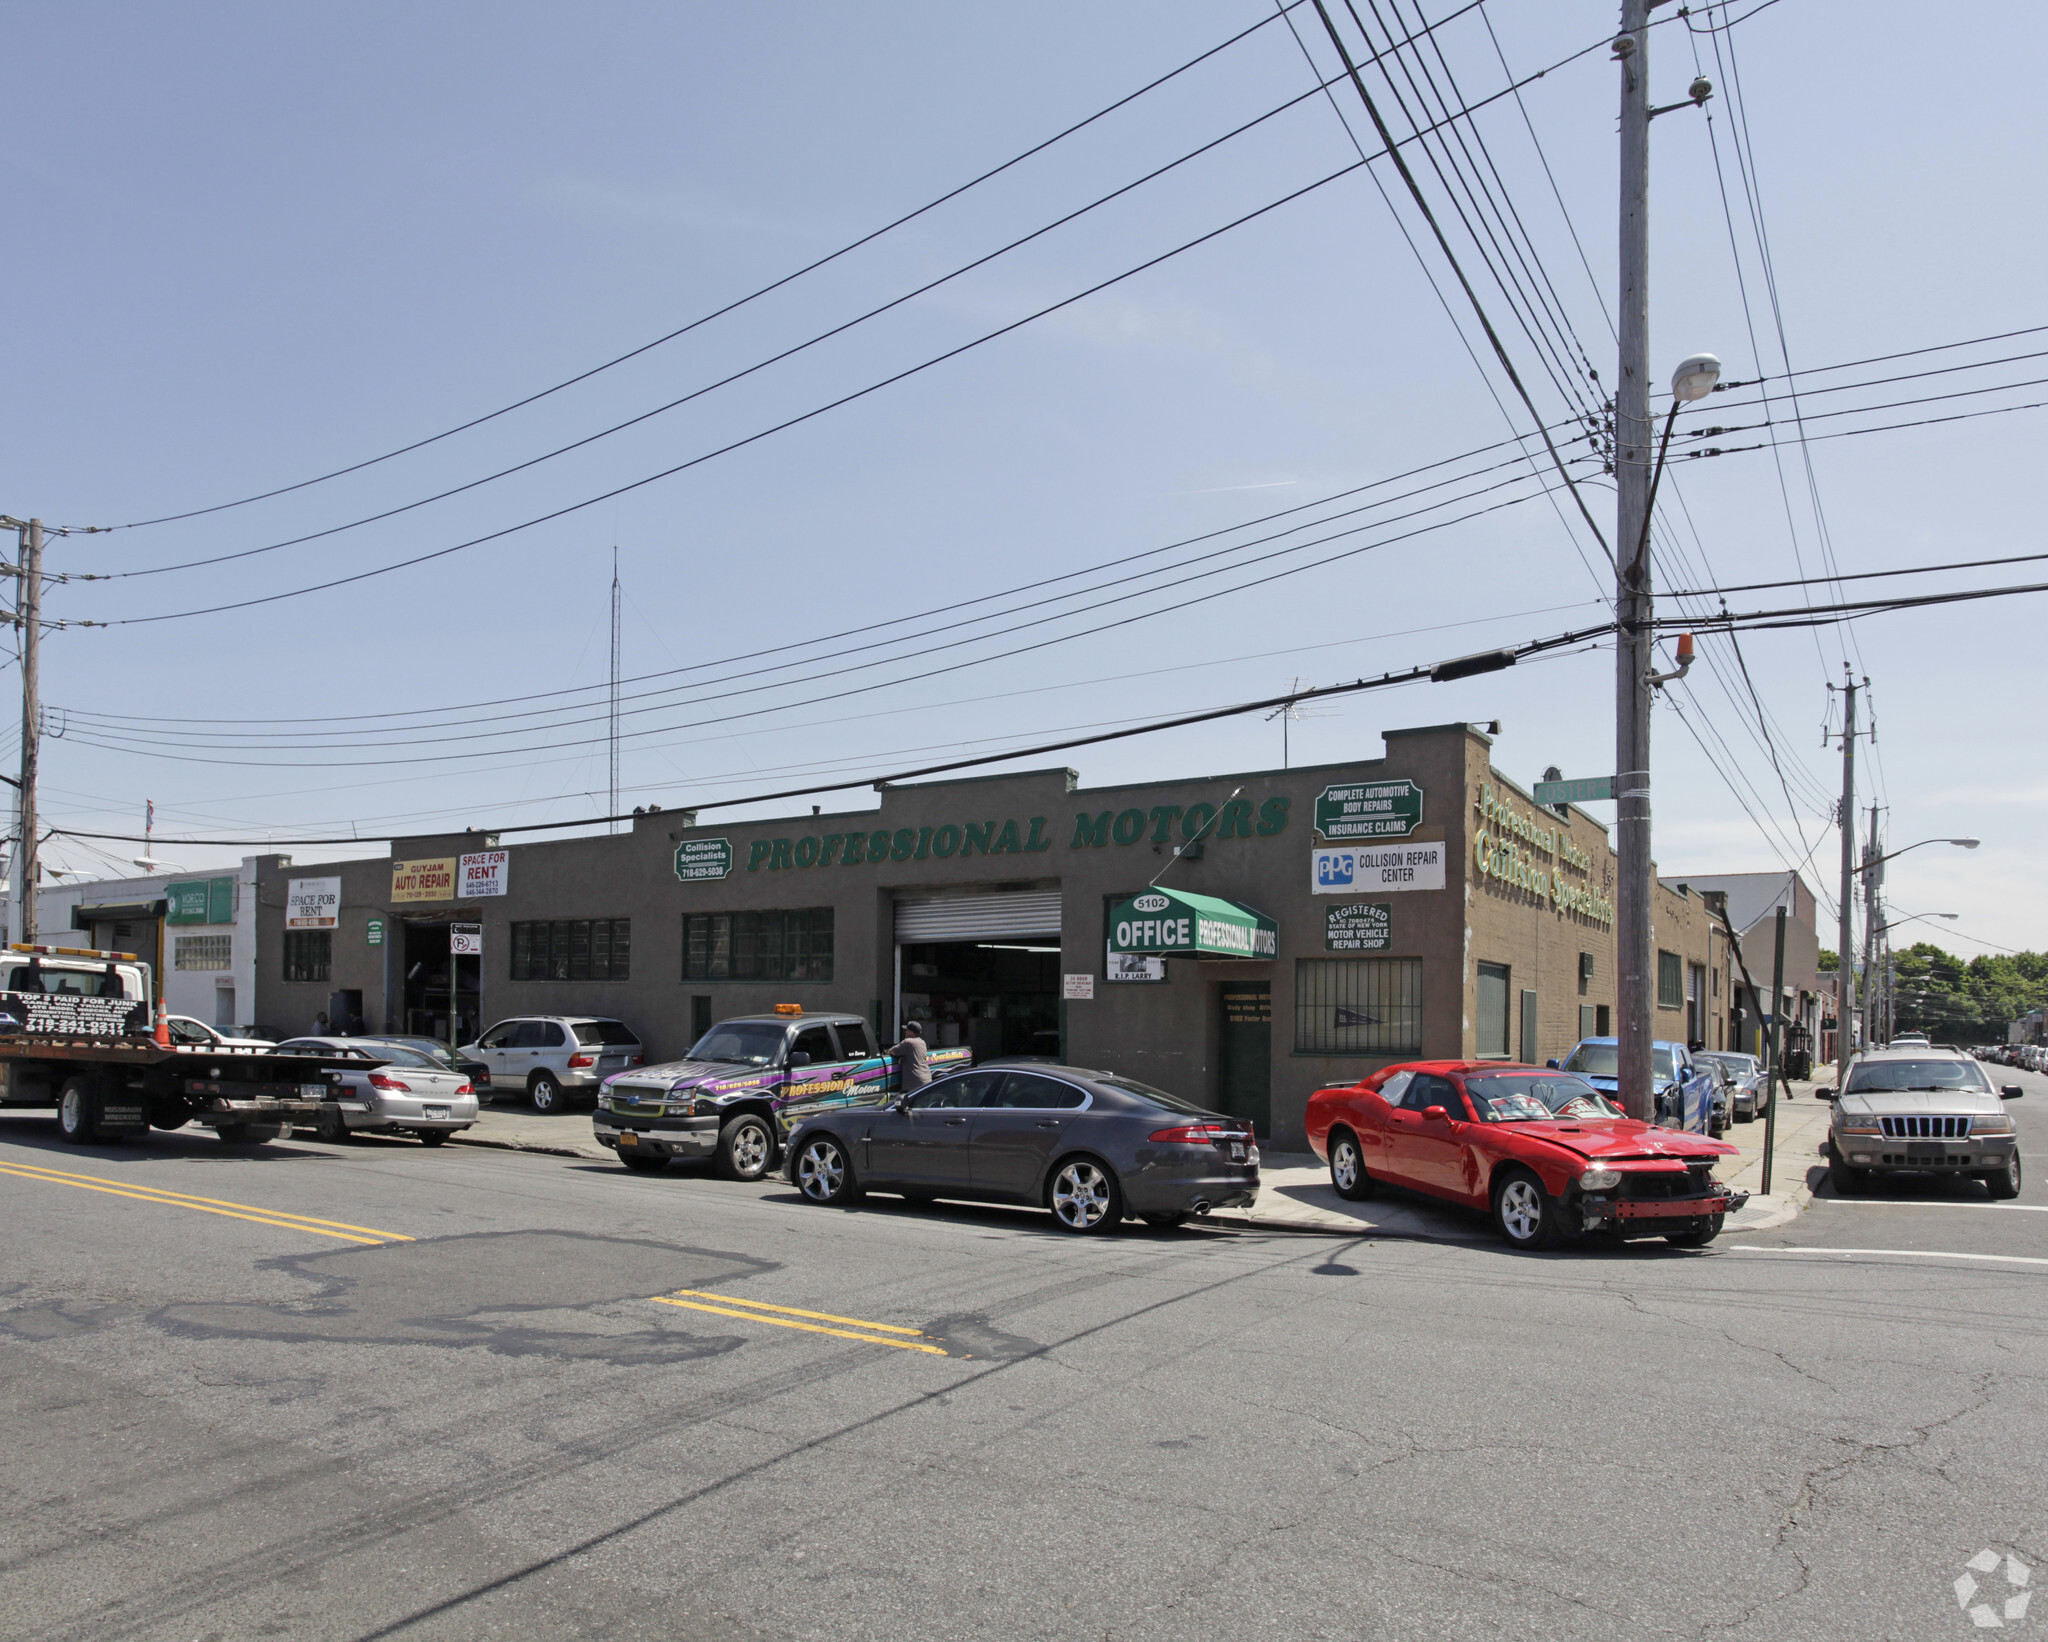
point(520, 1129)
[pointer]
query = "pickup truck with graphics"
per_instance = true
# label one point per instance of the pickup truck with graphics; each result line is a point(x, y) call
point(744, 1086)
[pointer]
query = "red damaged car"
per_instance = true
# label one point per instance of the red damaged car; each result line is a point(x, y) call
point(1544, 1152)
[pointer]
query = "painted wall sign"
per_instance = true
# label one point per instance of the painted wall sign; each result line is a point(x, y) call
point(430, 880)
point(373, 932)
point(1381, 868)
point(466, 940)
point(1537, 856)
point(1132, 966)
point(1369, 809)
point(484, 873)
point(312, 903)
point(1022, 835)
point(700, 859)
point(1078, 986)
point(1361, 926)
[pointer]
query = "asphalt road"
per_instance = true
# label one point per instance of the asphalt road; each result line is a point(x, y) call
point(367, 1391)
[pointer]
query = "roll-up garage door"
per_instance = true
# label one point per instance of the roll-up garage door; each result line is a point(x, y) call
point(977, 917)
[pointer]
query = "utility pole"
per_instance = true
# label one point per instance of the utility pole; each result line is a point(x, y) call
point(29, 604)
point(1777, 1043)
point(1845, 937)
point(612, 717)
point(1635, 955)
point(1872, 872)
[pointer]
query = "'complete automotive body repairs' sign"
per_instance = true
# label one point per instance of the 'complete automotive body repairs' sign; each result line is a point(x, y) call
point(1376, 868)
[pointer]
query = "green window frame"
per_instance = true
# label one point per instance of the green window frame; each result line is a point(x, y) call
point(1357, 1006)
point(573, 949)
point(1670, 980)
point(790, 944)
point(308, 954)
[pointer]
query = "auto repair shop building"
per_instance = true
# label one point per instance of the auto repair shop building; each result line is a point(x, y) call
point(1239, 939)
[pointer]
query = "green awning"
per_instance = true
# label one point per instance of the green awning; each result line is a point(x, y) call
point(1167, 923)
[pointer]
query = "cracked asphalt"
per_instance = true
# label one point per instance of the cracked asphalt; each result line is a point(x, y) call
point(227, 1423)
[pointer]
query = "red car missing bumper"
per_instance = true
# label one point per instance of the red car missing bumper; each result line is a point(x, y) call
point(1541, 1151)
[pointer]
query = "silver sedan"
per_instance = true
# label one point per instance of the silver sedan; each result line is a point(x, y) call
point(395, 1091)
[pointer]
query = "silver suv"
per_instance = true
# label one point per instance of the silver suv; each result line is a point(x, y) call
point(552, 1057)
point(1918, 1107)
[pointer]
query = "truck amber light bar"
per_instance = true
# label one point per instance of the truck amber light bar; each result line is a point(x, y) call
point(789, 1009)
point(73, 952)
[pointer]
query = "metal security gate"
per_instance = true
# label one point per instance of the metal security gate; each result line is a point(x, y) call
point(977, 917)
point(953, 923)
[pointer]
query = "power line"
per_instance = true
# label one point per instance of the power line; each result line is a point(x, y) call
point(751, 296)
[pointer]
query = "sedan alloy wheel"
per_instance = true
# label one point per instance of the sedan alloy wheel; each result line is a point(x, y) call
point(1347, 1168)
point(823, 1173)
point(1085, 1197)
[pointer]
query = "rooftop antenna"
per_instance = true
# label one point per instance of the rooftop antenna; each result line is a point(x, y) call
point(1287, 715)
point(612, 719)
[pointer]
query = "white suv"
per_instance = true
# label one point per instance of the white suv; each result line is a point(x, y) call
point(552, 1057)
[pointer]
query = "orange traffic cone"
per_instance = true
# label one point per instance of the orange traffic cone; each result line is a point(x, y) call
point(163, 1025)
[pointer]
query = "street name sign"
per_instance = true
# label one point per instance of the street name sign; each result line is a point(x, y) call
point(1591, 789)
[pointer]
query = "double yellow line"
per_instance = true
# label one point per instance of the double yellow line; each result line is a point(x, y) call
point(876, 1334)
point(205, 1205)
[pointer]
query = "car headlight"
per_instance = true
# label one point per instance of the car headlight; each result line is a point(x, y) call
point(2000, 1124)
point(1599, 1180)
point(1861, 1126)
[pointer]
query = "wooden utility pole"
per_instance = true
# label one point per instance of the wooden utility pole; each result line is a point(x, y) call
point(29, 604)
point(1635, 955)
point(1845, 937)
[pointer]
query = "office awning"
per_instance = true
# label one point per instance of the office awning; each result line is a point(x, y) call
point(1168, 923)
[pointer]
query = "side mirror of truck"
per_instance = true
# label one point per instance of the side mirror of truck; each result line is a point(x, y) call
point(1823, 1094)
point(798, 1058)
point(2012, 1091)
point(1552, 1064)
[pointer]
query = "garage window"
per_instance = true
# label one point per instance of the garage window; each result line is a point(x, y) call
point(308, 954)
point(202, 952)
point(793, 944)
point(573, 949)
point(1358, 1006)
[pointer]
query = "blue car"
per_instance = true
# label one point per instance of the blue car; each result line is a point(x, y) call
point(1688, 1094)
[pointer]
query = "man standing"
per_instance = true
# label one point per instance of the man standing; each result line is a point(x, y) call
point(913, 1063)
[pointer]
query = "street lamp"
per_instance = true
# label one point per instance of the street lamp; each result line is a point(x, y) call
point(1916, 917)
point(1960, 843)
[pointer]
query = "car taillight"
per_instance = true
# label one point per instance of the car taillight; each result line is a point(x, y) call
point(637, 1060)
point(577, 1062)
point(464, 1089)
point(1197, 1134)
point(379, 1081)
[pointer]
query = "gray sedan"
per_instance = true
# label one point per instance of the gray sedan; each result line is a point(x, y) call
point(394, 1090)
point(1090, 1146)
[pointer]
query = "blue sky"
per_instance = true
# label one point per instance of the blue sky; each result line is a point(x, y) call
point(260, 243)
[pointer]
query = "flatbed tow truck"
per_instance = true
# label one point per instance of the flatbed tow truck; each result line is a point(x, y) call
point(76, 1033)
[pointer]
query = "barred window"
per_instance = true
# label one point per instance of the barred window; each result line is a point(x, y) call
point(203, 952)
point(1358, 1006)
point(790, 945)
point(573, 949)
point(308, 954)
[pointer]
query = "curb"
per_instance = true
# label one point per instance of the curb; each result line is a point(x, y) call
point(466, 1139)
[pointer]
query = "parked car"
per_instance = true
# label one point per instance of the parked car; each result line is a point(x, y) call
point(440, 1054)
point(552, 1058)
point(186, 1031)
point(1089, 1146)
point(395, 1090)
point(1543, 1151)
point(743, 1087)
point(1746, 1093)
point(1684, 1090)
point(1922, 1109)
